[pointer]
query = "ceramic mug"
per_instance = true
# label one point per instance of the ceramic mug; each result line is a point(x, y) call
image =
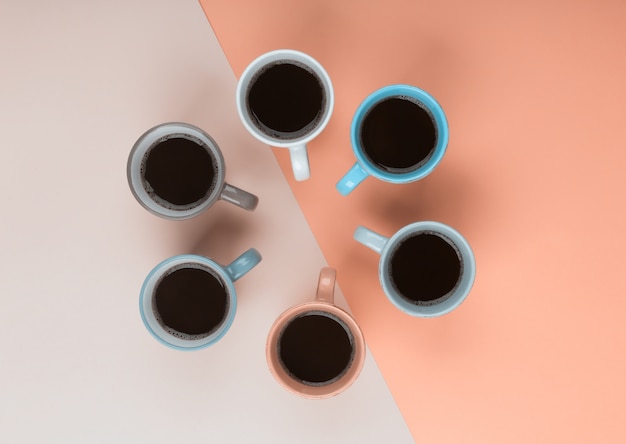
point(188, 302)
point(285, 99)
point(426, 269)
point(176, 170)
point(316, 349)
point(399, 134)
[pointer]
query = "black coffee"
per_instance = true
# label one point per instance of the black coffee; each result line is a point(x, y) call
point(178, 171)
point(315, 348)
point(425, 268)
point(398, 135)
point(286, 100)
point(191, 301)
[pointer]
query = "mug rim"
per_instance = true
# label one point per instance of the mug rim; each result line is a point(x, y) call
point(464, 285)
point(440, 121)
point(146, 141)
point(313, 391)
point(286, 54)
point(158, 332)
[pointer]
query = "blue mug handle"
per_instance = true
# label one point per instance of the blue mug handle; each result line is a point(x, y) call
point(243, 264)
point(364, 166)
point(354, 177)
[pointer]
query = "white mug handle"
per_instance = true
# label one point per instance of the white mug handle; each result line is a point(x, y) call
point(370, 239)
point(299, 162)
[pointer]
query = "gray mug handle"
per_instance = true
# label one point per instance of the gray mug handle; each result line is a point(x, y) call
point(239, 197)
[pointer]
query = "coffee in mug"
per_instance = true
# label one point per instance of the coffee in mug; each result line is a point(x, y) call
point(425, 267)
point(190, 301)
point(286, 99)
point(315, 348)
point(398, 134)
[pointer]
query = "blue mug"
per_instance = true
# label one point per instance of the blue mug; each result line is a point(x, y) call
point(377, 133)
point(426, 269)
point(172, 300)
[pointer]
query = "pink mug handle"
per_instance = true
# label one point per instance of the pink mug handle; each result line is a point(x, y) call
point(326, 285)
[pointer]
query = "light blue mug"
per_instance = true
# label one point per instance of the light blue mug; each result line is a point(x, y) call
point(221, 288)
point(387, 129)
point(426, 269)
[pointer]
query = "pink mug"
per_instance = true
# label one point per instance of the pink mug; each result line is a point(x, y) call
point(316, 349)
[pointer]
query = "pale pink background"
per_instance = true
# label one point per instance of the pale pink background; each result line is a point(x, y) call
point(79, 83)
point(534, 178)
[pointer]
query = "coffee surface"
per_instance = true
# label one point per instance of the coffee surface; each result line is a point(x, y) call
point(424, 268)
point(191, 301)
point(398, 135)
point(315, 348)
point(179, 171)
point(286, 100)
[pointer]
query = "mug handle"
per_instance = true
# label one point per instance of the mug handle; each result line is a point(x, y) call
point(239, 197)
point(370, 239)
point(244, 263)
point(349, 182)
point(299, 162)
point(326, 285)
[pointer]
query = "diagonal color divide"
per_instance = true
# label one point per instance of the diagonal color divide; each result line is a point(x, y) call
point(533, 177)
point(80, 83)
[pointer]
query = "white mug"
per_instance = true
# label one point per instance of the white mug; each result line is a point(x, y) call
point(285, 99)
point(426, 268)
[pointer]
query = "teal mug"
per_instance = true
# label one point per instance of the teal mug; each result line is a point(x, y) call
point(188, 302)
point(426, 269)
point(399, 134)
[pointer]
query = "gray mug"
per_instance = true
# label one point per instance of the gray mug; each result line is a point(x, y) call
point(176, 171)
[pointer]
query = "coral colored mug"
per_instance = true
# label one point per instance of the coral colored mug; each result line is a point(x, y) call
point(316, 349)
